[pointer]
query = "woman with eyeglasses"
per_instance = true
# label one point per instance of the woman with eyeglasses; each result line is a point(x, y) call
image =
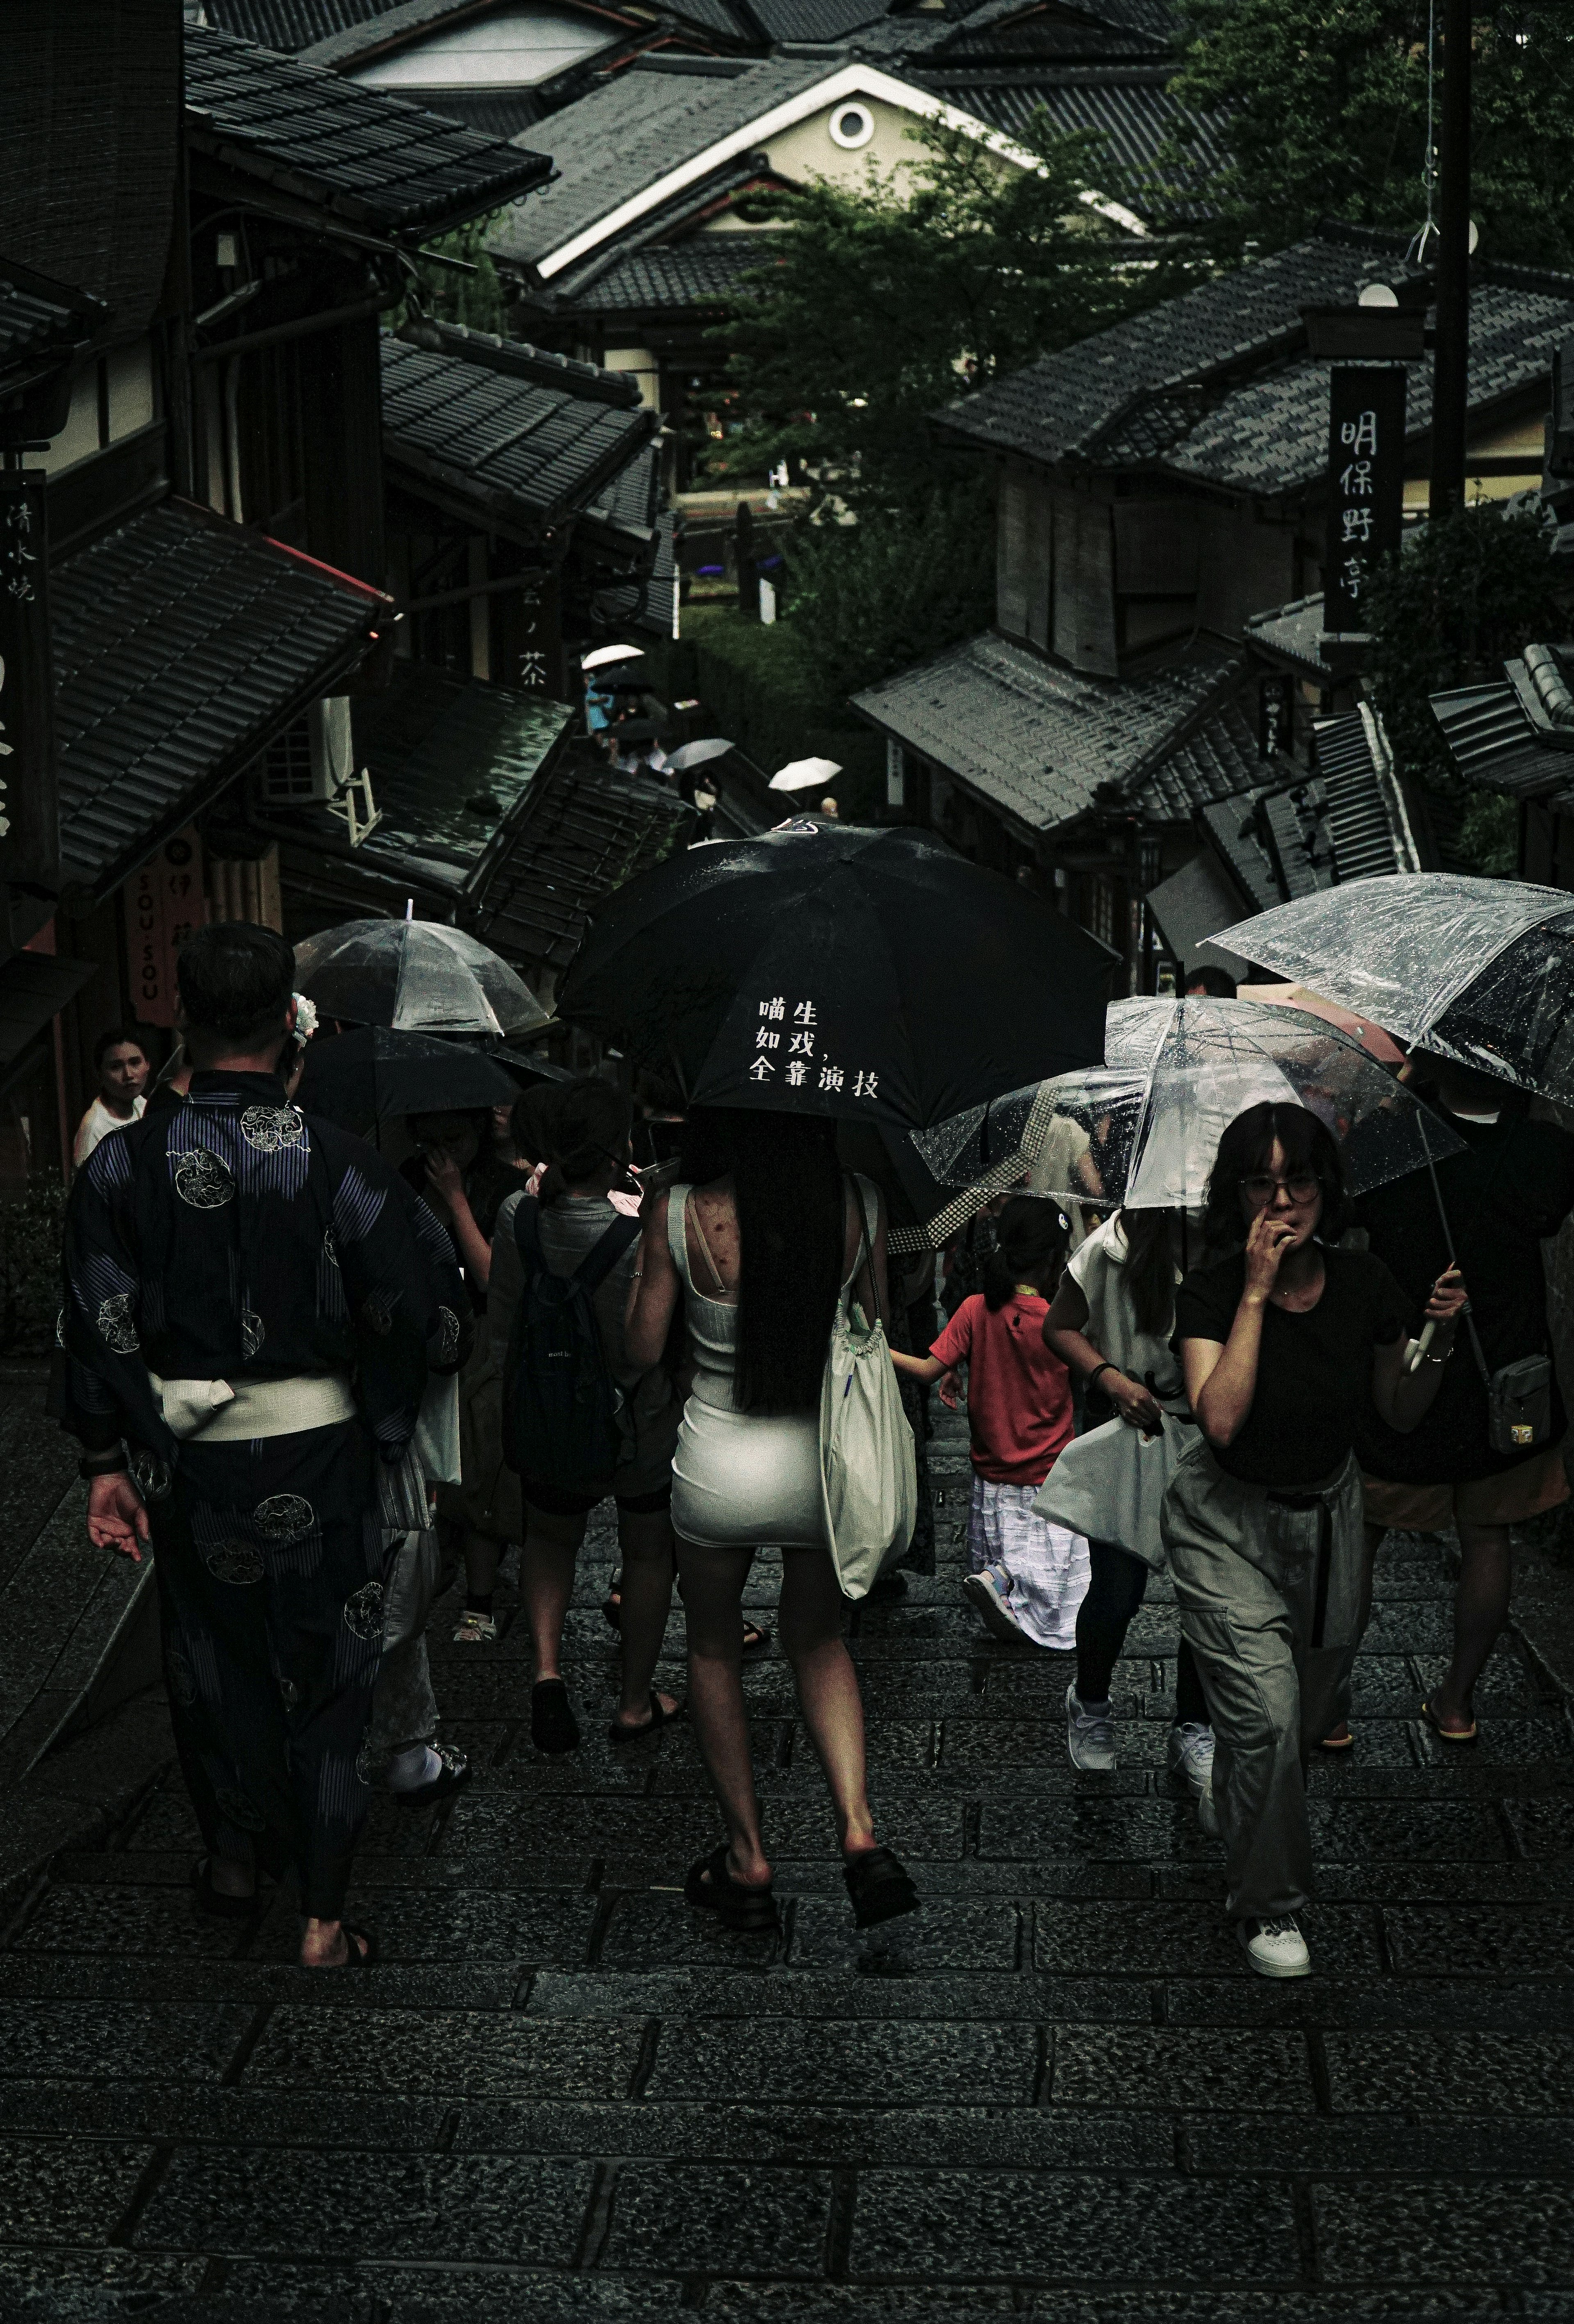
point(1282, 1338)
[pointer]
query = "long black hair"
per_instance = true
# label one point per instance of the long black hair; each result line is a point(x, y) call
point(590, 1128)
point(1030, 1236)
point(787, 1187)
point(1148, 1273)
point(1247, 1146)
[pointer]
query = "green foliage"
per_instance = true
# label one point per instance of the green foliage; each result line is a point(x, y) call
point(469, 292)
point(30, 1269)
point(872, 598)
point(886, 301)
point(1467, 592)
point(765, 688)
point(1327, 100)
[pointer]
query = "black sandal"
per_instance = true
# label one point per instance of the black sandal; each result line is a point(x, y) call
point(355, 1956)
point(879, 1887)
point(619, 1733)
point(612, 1607)
point(750, 1910)
point(756, 1641)
point(213, 1901)
point(553, 1728)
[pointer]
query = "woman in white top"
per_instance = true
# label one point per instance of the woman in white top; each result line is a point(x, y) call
point(122, 1065)
point(761, 1253)
point(1110, 1323)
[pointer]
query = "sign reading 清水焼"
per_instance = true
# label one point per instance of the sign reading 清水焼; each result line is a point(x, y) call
point(30, 838)
point(1365, 486)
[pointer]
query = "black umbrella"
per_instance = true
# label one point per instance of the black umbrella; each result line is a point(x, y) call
point(361, 1077)
point(823, 968)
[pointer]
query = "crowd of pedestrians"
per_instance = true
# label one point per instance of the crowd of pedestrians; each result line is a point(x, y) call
point(299, 1371)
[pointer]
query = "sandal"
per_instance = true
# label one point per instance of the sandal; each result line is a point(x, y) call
point(476, 1629)
point(455, 1771)
point(711, 1886)
point(612, 1607)
point(1338, 1738)
point(360, 1951)
point(213, 1901)
point(1447, 1734)
point(619, 1732)
point(553, 1728)
point(879, 1887)
point(756, 1641)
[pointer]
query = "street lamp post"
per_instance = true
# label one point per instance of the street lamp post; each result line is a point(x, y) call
point(1451, 390)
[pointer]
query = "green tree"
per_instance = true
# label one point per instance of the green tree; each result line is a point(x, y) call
point(465, 292)
point(1468, 591)
point(883, 302)
point(1327, 106)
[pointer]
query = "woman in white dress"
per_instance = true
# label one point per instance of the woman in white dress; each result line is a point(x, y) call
point(761, 1254)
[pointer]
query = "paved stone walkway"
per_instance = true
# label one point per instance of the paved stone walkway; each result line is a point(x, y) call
point(1056, 2093)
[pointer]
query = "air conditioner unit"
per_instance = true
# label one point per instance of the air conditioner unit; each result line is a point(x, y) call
point(314, 759)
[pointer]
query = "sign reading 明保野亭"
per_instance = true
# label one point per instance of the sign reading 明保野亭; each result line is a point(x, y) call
point(1365, 486)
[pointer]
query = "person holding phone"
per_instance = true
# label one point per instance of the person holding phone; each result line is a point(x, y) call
point(1282, 1338)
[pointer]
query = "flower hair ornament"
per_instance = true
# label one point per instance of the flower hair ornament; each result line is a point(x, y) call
point(305, 1017)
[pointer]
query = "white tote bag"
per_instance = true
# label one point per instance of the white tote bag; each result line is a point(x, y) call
point(1110, 1484)
point(868, 1471)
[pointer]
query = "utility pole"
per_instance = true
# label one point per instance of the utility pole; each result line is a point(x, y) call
point(1450, 392)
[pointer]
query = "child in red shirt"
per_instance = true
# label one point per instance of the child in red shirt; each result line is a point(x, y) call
point(1028, 1576)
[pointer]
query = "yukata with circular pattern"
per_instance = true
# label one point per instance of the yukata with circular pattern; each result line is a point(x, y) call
point(233, 1237)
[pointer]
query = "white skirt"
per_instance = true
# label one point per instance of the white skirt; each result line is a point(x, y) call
point(748, 1481)
point(1046, 1565)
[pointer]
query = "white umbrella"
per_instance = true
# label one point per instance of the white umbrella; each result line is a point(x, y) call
point(698, 754)
point(604, 655)
point(804, 774)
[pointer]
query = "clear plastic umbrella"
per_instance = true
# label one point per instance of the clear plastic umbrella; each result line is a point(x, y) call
point(1480, 970)
point(1144, 1128)
point(419, 975)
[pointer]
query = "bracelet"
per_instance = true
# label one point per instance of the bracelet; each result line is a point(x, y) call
point(1107, 1366)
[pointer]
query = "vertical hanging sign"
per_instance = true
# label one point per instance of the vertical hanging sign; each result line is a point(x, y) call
point(163, 902)
point(1365, 486)
point(29, 836)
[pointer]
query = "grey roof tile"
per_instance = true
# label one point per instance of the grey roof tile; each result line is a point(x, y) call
point(627, 136)
point(1360, 825)
point(1133, 112)
point(584, 831)
point(182, 644)
point(363, 155)
point(1292, 631)
point(1163, 390)
point(520, 431)
point(813, 20)
point(1217, 760)
point(1039, 741)
point(702, 270)
point(43, 322)
point(290, 24)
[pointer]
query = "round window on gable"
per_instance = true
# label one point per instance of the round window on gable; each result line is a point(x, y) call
point(852, 125)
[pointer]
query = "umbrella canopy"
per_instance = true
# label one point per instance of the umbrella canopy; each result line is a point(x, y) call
point(1372, 1038)
point(698, 754)
point(361, 1077)
point(603, 657)
point(804, 774)
point(1480, 970)
point(417, 975)
point(1144, 1129)
point(823, 968)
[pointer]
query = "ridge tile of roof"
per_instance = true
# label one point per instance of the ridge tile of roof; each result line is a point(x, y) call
point(627, 136)
point(363, 154)
point(705, 268)
point(1042, 741)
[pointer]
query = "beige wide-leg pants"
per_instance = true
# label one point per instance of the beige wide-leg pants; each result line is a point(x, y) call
point(1269, 1591)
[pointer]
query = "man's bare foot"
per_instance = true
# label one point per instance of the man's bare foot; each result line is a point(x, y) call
point(325, 1944)
point(1338, 1738)
point(638, 1723)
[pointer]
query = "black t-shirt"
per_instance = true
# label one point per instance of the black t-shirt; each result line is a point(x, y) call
point(488, 1184)
point(1512, 1186)
point(1314, 1371)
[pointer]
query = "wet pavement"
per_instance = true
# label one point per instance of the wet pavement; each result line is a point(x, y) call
point(1058, 2091)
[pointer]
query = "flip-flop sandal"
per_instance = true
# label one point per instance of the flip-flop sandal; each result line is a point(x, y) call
point(213, 1901)
point(1447, 1734)
point(612, 1613)
point(756, 1641)
point(879, 1887)
point(751, 1912)
point(355, 1956)
point(553, 1728)
point(1345, 1742)
point(660, 1716)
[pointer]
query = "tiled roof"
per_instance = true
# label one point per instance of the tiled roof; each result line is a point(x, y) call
point(363, 155)
point(523, 441)
point(584, 831)
point(1216, 385)
point(42, 323)
point(1036, 740)
point(646, 603)
point(290, 24)
point(1367, 819)
point(1217, 760)
point(1292, 631)
point(1294, 823)
point(630, 133)
point(1132, 111)
point(1502, 734)
point(182, 644)
point(625, 507)
point(699, 271)
point(813, 20)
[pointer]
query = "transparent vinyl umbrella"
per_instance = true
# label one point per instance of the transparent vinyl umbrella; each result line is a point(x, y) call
point(420, 976)
point(1143, 1129)
point(1481, 970)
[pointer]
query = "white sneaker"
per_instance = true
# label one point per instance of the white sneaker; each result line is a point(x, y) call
point(1189, 1753)
point(1276, 1948)
point(1090, 1736)
point(984, 1594)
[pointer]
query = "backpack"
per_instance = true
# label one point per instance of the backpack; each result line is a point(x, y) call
point(561, 1408)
